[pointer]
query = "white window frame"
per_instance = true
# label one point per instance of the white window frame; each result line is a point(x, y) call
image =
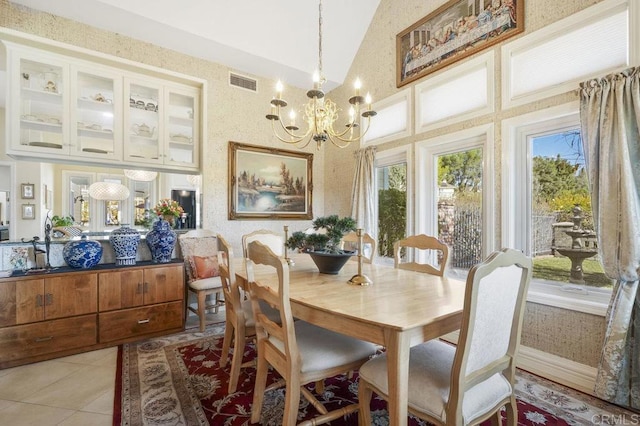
point(516, 204)
point(402, 154)
point(547, 34)
point(427, 179)
point(402, 97)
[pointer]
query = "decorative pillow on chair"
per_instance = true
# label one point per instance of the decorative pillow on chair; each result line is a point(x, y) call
point(204, 267)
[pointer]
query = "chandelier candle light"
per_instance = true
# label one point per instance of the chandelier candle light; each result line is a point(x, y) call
point(320, 113)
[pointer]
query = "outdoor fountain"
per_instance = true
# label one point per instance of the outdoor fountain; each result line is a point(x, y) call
point(578, 251)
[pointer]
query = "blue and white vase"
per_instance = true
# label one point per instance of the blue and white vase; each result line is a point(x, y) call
point(82, 253)
point(124, 241)
point(161, 240)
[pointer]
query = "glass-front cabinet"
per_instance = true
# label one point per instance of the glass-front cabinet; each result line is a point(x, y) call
point(41, 114)
point(69, 109)
point(97, 114)
point(142, 122)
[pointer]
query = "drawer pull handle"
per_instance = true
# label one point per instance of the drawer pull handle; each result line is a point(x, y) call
point(38, 300)
point(139, 289)
point(48, 299)
point(144, 321)
point(44, 339)
point(146, 287)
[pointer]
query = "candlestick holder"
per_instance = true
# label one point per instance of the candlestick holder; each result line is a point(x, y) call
point(290, 261)
point(360, 278)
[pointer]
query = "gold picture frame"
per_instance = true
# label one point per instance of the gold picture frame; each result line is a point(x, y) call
point(28, 191)
point(28, 211)
point(454, 31)
point(269, 183)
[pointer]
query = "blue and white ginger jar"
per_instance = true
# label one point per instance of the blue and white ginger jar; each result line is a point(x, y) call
point(125, 241)
point(161, 240)
point(82, 253)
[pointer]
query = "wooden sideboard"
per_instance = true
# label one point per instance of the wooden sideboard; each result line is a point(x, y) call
point(56, 314)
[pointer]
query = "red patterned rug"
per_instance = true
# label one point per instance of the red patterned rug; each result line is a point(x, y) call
point(176, 380)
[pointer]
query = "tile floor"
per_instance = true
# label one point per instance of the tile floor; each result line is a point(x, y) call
point(74, 390)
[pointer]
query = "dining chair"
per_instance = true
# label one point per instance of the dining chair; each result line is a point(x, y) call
point(239, 319)
point(421, 242)
point(299, 351)
point(469, 383)
point(350, 242)
point(273, 240)
point(199, 250)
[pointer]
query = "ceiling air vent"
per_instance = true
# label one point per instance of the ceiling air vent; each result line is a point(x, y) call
point(243, 82)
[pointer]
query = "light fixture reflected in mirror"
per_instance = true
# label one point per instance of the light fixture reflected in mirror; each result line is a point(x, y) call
point(110, 191)
point(141, 175)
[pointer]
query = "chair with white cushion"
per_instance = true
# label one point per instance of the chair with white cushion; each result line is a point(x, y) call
point(200, 253)
point(299, 351)
point(470, 383)
point(240, 323)
point(269, 238)
point(421, 242)
point(350, 242)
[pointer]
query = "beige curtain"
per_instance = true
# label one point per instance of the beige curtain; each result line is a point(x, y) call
point(610, 117)
point(363, 195)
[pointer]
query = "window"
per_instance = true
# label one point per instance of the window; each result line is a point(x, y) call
point(392, 172)
point(547, 210)
point(454, 193)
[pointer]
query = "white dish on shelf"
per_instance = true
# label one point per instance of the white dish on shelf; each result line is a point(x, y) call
point(46, 144)
point(180, 138)
point(5, 274)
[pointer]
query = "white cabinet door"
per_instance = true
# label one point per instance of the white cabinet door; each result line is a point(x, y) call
point(38, 107)
point(143, 123)
point(96, 114)
point(182, 135)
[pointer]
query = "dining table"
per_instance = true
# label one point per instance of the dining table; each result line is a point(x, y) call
point(398, 310)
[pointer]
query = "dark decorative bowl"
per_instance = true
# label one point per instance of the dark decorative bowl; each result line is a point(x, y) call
point(330, 263)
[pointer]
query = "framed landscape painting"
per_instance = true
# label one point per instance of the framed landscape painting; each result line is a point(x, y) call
point(452, 32)
point(269, 183)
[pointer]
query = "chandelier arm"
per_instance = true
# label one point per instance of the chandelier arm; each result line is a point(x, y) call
point(340, 135)
point(296, 138)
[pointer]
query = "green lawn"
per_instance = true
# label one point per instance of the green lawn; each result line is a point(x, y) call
point(559, 269)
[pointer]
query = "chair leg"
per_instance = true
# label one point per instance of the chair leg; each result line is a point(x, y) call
point(226, 343)
point(258, 391)
point(364, 398)
point(202, 314)
point(236, 359)
point(512, 412)
point(291, 402)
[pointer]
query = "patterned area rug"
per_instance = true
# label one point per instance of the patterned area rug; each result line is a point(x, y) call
point(176, 380)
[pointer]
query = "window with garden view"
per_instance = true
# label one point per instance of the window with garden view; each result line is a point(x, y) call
point(563, 240)
point(392, 206)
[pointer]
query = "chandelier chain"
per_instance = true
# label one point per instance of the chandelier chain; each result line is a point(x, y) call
point(320, 39)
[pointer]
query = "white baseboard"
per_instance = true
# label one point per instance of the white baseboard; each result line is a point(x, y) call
point(560, 370)
point(552, 367)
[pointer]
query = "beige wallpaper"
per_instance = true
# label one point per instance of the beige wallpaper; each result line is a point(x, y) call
point(237, 115)
point(572, 335)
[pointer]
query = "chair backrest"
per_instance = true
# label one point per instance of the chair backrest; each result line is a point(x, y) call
point(421, 242)
point(274, 241)
point(350, 242)
point(495, 299)
point(279, 339)
point(230, 287)
point(200, 242)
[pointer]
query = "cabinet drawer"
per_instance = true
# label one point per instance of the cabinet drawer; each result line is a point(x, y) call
point(29, 340)
point(128, 323)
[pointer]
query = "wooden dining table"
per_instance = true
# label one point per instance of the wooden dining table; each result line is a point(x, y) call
point(398, 310)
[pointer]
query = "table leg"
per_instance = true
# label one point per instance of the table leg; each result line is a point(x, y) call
point(397, 344)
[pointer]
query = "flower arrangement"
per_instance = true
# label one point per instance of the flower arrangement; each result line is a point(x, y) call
point(168, 207)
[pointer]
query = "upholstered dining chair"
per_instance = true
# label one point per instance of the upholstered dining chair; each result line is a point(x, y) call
point(350, 242)
point(200, 253)
point(299, 351)
point(421, 242)
point(470, 383)
point(240, 322)
point(273, 240)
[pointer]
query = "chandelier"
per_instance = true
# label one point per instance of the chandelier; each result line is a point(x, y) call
point(108, 191)
point(320, 113)
point(140, 175)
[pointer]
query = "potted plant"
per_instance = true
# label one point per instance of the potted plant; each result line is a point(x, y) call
point(324, 246)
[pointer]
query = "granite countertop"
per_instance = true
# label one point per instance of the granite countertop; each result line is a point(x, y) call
point(97, 268)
